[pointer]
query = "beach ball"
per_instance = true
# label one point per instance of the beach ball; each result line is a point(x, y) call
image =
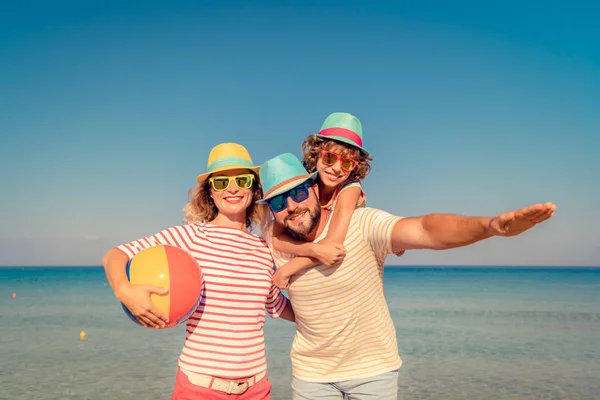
point(172, 268)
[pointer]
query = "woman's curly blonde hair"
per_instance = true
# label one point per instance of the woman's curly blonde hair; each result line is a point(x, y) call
point(202, 209)
point(311, 150)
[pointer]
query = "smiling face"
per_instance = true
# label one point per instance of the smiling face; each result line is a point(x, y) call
point(335, 164)
point(232, 201)
point(299, 219)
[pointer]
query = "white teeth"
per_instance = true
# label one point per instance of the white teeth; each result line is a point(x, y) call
point(296, 217)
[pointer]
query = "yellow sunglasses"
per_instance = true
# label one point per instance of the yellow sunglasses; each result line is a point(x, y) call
point(243, 181)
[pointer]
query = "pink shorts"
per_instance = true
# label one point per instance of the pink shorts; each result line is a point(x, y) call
point(186, 390)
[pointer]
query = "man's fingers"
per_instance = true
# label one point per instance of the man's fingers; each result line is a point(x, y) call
point(537, 212)
point(537, 215)
point(529, 212)
point(547, 215)
point(506, 217)
point(519, 220)
point(536, 209)
point(549, 209)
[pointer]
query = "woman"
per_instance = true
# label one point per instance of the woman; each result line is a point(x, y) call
point(223, 356)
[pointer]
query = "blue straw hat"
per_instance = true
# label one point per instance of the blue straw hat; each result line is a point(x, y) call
point(282, 173)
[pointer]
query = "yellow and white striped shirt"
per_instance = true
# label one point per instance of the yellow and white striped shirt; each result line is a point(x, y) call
point(343, 325)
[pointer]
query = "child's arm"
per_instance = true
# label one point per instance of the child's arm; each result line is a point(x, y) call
point(314, 253)
point(345, 205)
point(281, 277)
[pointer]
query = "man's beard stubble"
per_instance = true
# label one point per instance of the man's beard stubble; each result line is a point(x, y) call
point(315, 216)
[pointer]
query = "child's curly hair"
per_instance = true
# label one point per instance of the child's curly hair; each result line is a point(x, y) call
point(201, 207)
point(311, 150)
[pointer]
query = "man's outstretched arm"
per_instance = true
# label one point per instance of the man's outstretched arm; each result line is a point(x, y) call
point(448, 231)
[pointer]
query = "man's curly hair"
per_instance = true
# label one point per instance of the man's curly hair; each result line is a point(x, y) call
point(311, 150)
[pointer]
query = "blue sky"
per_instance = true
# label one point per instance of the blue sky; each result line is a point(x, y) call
point(108, 111)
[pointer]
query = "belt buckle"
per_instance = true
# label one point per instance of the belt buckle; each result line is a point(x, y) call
point(237, 387)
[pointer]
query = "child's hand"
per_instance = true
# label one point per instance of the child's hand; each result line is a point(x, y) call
point(328, 253)
point(281, 281)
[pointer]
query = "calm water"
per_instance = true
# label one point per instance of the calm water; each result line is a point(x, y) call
point(462, 333)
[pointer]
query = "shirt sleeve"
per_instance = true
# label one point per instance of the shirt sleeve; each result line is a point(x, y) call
point(377, 226)
point(276, 302)
point(173, 236)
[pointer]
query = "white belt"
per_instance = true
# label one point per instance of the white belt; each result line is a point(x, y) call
point(223, 385)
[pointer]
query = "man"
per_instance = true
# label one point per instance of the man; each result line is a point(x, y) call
point(345, 340)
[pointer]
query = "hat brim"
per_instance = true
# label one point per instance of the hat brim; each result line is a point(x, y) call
point(346, 141)
point(203, 177)
point(289, 185)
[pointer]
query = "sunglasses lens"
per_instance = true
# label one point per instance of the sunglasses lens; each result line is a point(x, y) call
point(278, 203)
point(244, 181)
point(299, 194)
point(329, 158)
point(220, 183)
point(347, 164)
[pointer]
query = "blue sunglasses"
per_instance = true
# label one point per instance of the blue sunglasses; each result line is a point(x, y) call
point(298, 194)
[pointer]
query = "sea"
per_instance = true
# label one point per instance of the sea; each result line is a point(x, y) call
point(463, 333)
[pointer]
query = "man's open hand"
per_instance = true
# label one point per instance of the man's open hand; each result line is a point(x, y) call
point(515, 222)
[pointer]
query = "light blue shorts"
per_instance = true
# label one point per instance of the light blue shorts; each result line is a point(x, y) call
point(378, 387)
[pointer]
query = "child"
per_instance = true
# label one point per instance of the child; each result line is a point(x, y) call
point(336, 153)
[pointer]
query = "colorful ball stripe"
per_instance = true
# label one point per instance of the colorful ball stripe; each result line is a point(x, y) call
point(172, 268)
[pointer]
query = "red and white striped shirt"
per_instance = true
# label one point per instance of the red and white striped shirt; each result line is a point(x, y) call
point(225, 335)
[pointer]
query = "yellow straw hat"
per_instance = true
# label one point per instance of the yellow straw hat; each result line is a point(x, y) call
point(226, 156)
